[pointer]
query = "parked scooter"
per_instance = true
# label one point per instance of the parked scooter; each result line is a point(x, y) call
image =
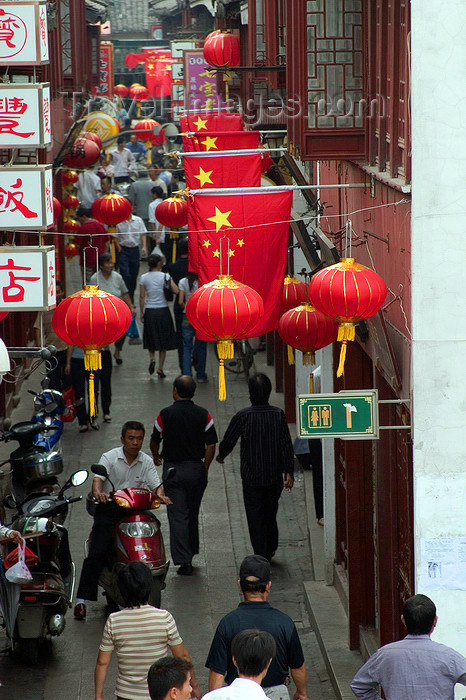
point(49, 406)
point(43, 601)
point(34, 468)
point(136, 537)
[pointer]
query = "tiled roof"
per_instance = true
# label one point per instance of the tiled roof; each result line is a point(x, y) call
point(129, 16)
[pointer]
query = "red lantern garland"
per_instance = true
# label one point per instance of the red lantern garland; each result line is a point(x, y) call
point(71, 226)
point(69, 178)
point(223, 310)
point(70, 202)
point(173, 213)
point(221, 49)
point(308, 330)
point(347, 292)
point(91, 319)
point(71, 249)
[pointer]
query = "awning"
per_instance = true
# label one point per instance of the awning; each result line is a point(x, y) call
point(96, 11)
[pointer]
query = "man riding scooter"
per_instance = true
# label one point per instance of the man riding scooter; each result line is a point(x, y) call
point(127, 467)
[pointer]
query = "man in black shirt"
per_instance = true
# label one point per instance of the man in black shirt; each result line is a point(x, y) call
point(189, 440)
point(267, 462)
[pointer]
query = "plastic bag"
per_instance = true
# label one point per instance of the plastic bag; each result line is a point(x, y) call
point(133, 333)
point(70, 400)
point(19, 572)
point(13, 557)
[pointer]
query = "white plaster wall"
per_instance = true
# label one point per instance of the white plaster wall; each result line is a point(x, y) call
point(439, 291)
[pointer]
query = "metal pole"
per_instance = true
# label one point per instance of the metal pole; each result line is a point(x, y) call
point(256, 190)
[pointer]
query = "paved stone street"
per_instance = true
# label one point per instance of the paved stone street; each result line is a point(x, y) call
point(66, 666)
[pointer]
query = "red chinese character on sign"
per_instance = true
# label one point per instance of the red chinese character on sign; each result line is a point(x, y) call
point(15, 292)
point(11, 107)
point(48, 198)
point(7, 29)
point(51, 285)
point(47, 115)
point(42, 27)
point(8, 198)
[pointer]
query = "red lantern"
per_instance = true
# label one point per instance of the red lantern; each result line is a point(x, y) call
point(69, 178)
point(294, 293)
point(347, 292)
point(91, 319)
point(308, 330)
point(83, 154)
point(71, 202)
point(111, 209)
point(56, 208)
point(173, 213)
point(145, 131)
point(71, 249)
point(223, 310)
point(71, 226)
point(139, 93)
point(121, 90)
point(221, 49)
point(3, 314)
point(92, 136)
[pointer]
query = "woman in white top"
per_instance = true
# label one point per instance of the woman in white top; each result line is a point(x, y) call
point(159, 331)
point(194, 350)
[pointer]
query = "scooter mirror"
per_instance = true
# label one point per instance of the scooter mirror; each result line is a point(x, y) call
point(170, 474)
point(51, 407)
point(100, 470)
point(9, 501)
point(79, 478)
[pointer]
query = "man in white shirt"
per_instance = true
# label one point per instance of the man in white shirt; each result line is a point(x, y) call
point(88, 188)
point(252, 651)
point(123, 162)
point(128, 235)
point(127, 467)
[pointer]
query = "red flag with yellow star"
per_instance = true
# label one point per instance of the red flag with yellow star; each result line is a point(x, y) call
point(246, 236)
point(211, 121)
point(236, 170)
point(221, 141)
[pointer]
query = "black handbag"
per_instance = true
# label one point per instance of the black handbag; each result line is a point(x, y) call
point(167, 289)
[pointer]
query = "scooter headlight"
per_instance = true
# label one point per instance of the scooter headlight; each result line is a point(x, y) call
point(139, 529)
point(122, 502)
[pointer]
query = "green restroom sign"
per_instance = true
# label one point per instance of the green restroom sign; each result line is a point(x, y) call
point(351, 415)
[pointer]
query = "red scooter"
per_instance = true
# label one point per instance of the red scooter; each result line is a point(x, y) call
point(136, 537)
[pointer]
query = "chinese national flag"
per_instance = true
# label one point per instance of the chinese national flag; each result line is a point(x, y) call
point(246, 236)
point(158, 72)
point(221, 141)
point(211, 171)
point(209, 121)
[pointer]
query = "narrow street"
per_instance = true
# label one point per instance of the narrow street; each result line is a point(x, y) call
point(66, 665)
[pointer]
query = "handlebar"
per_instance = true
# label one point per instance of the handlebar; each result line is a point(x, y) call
point(75, 499)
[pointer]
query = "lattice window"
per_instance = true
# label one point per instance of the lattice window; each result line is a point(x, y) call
point(334, 64)
point(260, 41)
point(67, 63)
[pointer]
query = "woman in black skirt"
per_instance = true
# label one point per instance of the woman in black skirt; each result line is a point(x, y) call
point(159, 331)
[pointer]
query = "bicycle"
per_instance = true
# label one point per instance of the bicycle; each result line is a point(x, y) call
point(243, 358)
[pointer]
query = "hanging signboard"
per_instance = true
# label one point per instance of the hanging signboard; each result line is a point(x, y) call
point(27, 278)
point(26, 197)
point(349, 415)
point(200, 82)
point(106, 69)
point(23, 33)
point(25, 115)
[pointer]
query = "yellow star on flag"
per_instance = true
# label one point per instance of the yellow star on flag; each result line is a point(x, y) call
point(231, 253)
point(204, 176)
point(240, 242)
point(216, 253)
point(200, 124)
point(220, 219)
point(210, 143)
point(206, 243)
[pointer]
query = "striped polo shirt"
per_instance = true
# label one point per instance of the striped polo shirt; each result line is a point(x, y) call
point(139, 636)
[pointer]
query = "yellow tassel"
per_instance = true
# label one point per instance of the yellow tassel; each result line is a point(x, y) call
point(92, 360)
point(149, 152)
point(311, 383)
point(225, 350)
point(222, 390)
point(174, 251)
point(113, 252)
point(346, 331)
point(290, 355)
point(341, 366)
point(309, 358)
point(92, 406)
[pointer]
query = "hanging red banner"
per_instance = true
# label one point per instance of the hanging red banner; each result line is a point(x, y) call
point(211, 121)
point(106, 69)
point(235, 170)
point(221, 141)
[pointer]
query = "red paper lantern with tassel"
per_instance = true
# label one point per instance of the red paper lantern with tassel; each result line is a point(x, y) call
point(69, 178)
point(221, 49)
point(71, 226)
point(121, 90)
point(71, 202)
point(308, 330)
point(347, 292)
point(111, 209)
point(173, 213)
point(83, 154)
point(145, 131)
point(92, 136)
point(139, 93)
point(223, 310)
point(91, 319)
point(294, 293)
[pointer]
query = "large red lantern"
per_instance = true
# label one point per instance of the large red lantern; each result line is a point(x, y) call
point(56, 208)
point(139, 93)
point(145, 131)
point(83, 154)
point(347, 292)
point(223, 310)
point(173, 213)
point(221, 49)
point(92, 136)
point(111, 209)
point(294, 293)
point(121, 90)
point(308, 330)
point(91, 319)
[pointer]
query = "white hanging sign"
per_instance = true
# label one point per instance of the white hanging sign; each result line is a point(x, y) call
point(23, 33)
point(25, 115)
point(27, 278)
point(26, 197)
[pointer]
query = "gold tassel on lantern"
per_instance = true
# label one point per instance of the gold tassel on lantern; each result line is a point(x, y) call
point(311, 383)
point(92, 362)
point(92, 404)
point(309, 358)
point(113, 251)
point(341, 364)
point(174, 235)
point(225, 349)
point(290, 355)
point(346, 331)
point(222, 390)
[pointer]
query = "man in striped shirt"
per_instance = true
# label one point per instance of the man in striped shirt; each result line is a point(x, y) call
point(267, 462)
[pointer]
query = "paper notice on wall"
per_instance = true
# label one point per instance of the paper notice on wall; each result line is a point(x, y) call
point(443, 563)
